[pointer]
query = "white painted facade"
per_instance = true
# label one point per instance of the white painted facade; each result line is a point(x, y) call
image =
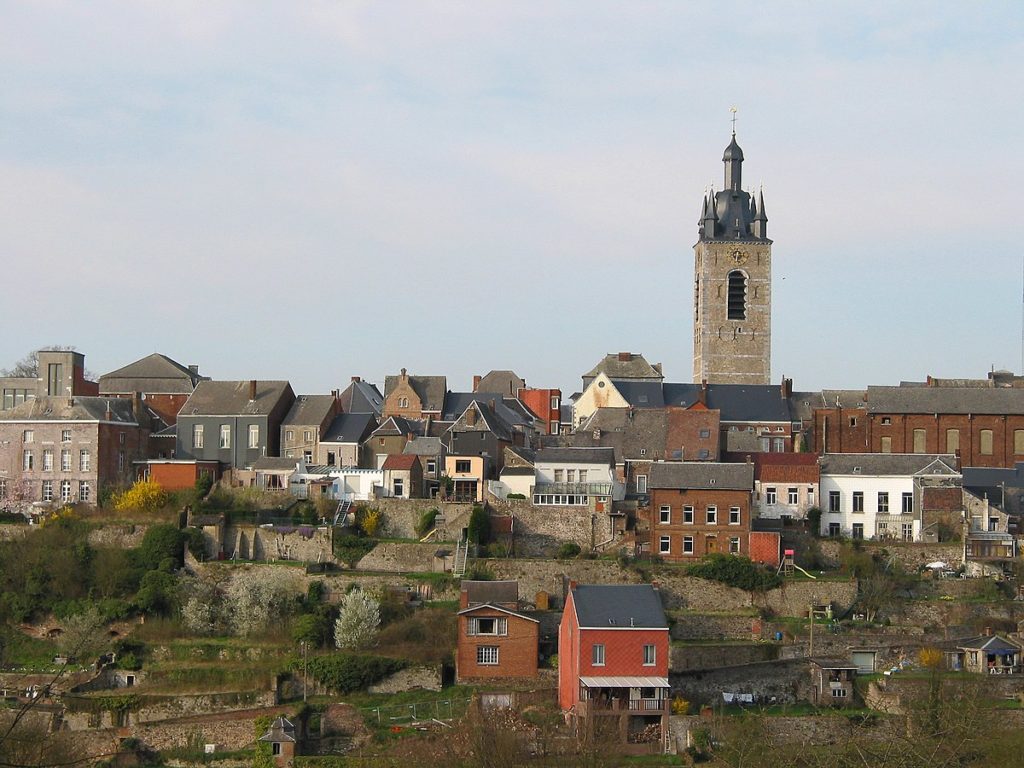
point(600, 394)
point(577, 479)
point(881, 501)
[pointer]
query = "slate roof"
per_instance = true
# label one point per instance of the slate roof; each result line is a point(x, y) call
point(636, 367)
point(843, 398)
point(737, 402)
point(988, 643)
point(882, 464)
point(641, 394)
point(362, 397)
point(491, 591)
point(833, 663)
point(603, 456)
point(154, 373)
point(527, 455)
point(501, 381)
point(280, 730)
point(994, 477)
point(309, 409)
point(231, 398)
point(456, 403)
point(425, 446)
point(401, 461)
point(429, 389)
point(396, 425)
point(627, 432)
point(518, 471)
point(604, 606)
point(349, 428)
point(77, 409)
point(707, 475)
point(945, 400)
point(492, 421)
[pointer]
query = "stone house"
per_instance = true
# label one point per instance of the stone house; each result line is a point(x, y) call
point(389, 438)
point(403, 476)
point(699, 508)
point(165, 384)
point(414, 397)
point(494, 640)
point(832, 682)
point(505, 383)
point(345, 442)
point(613, 658)
point(987, 654)
point(431, 451)
point(233, 422)
point(63, 450)
point(61, 373)
point(303, 429)
point(785, 485)
point(485, 424)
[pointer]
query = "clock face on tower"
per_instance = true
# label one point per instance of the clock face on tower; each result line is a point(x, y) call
point(739, 258)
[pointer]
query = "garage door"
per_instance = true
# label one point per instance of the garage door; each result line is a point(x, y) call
point(865, 661)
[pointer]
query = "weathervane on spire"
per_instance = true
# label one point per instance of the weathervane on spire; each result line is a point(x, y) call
point(734, 111)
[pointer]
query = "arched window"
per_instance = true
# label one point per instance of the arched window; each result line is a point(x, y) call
point(737, 295)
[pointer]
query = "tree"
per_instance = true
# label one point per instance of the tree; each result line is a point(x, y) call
point(83, 637)
point(161, 542)
point(257, 598)
point(358, 621)
point(479, 528)
point(145, 497)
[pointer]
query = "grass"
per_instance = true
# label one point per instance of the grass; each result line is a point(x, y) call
point(23, 651)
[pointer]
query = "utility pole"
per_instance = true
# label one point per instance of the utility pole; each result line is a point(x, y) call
point(810, 648)
point(305, 677)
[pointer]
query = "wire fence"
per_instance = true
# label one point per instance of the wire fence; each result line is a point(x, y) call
point(443, 710)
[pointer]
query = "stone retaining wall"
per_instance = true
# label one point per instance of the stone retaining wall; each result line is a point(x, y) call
point(782, 682)
point(427, 678)
point(685, 658)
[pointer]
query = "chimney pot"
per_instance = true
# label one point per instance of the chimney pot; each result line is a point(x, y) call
point(252, 390)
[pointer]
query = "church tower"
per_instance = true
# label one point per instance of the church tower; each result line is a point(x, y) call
point(732, 303)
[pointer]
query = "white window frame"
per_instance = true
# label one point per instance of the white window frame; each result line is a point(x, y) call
point(65, 460)
point(687, 545)
point(793, 496)
point(83, 491)
point(665, 514)
point(711, 514)
point(650, 655)
point(27, 461)
point(47, 460)
point(225, 436)
point(28, 436)
point(197, 435)
point(254, 435)
point(65, 492)
point(665, 545)
point(734, 545)
point(734, 515)
point(641, 483)
point(488, 655)
point(597, 655)
point(499, 627)
point(688, 514)
point(771, 496)
point(47, 492)
point(65, 435)
point(84, 460)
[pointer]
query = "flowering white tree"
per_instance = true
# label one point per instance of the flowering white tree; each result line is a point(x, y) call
point(202, 606)
point(256, 597)
point(358, 621)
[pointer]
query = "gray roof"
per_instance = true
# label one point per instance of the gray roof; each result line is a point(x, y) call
point(833, 663)
point(990, 643)
point(994, 477)
point(517, 471)
point(154, 373)
point(883, 464)
point(702, 475)
point(493, 421)
point(230, 398)
point(639, 434)
point(945, 400)
point(604, 606)
point(843, 398)
point(603, 456)
point(632, 367)
point(425, 446)
point(737, 402)
point(361, 397)
point(396, 425)
point(429, 389)
point(641, 394)
point(112, 409)
point(280, 730)
point(456, 403)
point(491, 591)
point(309, 410)
point(506, 382)
point(349, 428)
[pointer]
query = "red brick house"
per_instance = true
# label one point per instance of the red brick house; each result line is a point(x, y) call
point(613, 650)
point(494, 639)
point(546, 405)
point(698, 508)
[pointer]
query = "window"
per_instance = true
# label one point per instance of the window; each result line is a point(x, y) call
point(13, 397)
point(920, 440)
point(641, 483)
point(28, 436)
point(48, 460)
point(254, 435)
point(886, 445)
point(734, 545)
point(665, 514)
point(307, 436)
point(907, 531)
point(403, 402)
point(986, 442)
point(770, 496)
point(570, 475)
point(26, 460)
point(597, 654)
point(712, 515)
point(275, 748)
point(83, 491)
point(307, 456)
point(83, 460)
point(643, 451)
point(289, 434)
point(121, 461)
point(462, 465)
point(734, 515)
point(65, 435)
point(225, 435)
point(553, 427)
point(853, 421)
point(886, 421)
point(737, 302)
point(65, 491)
point(687, 545)
point(664, 545)
point(833, 529)
point(399, 486)
point(3, 488)
point(197, 435)
point(487, 655)
point(833, 501)
point(779, 444)
point(858, 530)
point(953, 440)
point(583, 475)
point(793, 496)
point(120, 438)
point(431, 466)
point(883, 501)
point(650, 655)
point(47, 490)
point(488, 625)
point(838, 693)
point(688, 514)
point(559, 475)
point(810, 496)
point(908, 503)
point(331, 458)
point(858, 501)
point(1018, 441)
point(554, 402)
point(65, 461)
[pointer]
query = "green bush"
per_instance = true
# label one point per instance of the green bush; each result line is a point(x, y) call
point(736, 571)
point(516, 496)
point(351, 549)
point(203, 485)
point(348, 672)
point(426, 522)
point(568, 550)
point(479, 528)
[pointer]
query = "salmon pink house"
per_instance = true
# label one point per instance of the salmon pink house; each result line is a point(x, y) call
point(613, 649)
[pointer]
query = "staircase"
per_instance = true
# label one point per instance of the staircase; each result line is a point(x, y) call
point(342, 512)
point(461, 558)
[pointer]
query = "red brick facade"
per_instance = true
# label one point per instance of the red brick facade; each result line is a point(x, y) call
point(174, 476)
point(495, 655)
point(545, 404)
point(764, 547)
point(688, 524)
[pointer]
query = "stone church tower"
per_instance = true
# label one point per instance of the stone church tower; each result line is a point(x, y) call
point(732, 302)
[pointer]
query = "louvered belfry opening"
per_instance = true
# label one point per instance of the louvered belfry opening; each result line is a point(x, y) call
point(737, 295)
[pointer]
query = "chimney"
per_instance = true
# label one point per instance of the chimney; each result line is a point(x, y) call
point(137, 408)
point(490, 404)
point(624, 357)
point(110, 413)
point(471, 416)
point(787, 388)
point(463, 598)
point(405, 375)
point(988, 631)
point(356, 379)
point(252, 390)
point(194, 370)
point(748, 459)
point(476, 383)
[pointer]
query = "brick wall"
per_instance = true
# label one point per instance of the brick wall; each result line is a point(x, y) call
point(517, 651)
point(764, 547)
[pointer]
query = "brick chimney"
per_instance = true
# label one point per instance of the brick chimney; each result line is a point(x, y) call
point(252, 390)
point(476, 383)
point(624, 357)
point(787, 388)
point(405, 375)
point(356, 380)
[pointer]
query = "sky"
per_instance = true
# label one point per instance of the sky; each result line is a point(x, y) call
point(317, 190)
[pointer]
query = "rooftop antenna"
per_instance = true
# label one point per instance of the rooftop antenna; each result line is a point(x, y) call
point(734, 110)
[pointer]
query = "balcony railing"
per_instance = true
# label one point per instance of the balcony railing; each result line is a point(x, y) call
point(624, 705)
point(577, 489)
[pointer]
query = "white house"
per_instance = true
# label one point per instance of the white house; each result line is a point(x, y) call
point(878, 495)
point(573, 476)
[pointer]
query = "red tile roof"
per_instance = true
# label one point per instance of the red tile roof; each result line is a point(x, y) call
point(401, 461)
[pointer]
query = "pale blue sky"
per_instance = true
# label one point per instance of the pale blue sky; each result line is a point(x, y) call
point(318, 190)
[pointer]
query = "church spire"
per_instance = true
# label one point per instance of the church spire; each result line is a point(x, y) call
point(760, 225)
